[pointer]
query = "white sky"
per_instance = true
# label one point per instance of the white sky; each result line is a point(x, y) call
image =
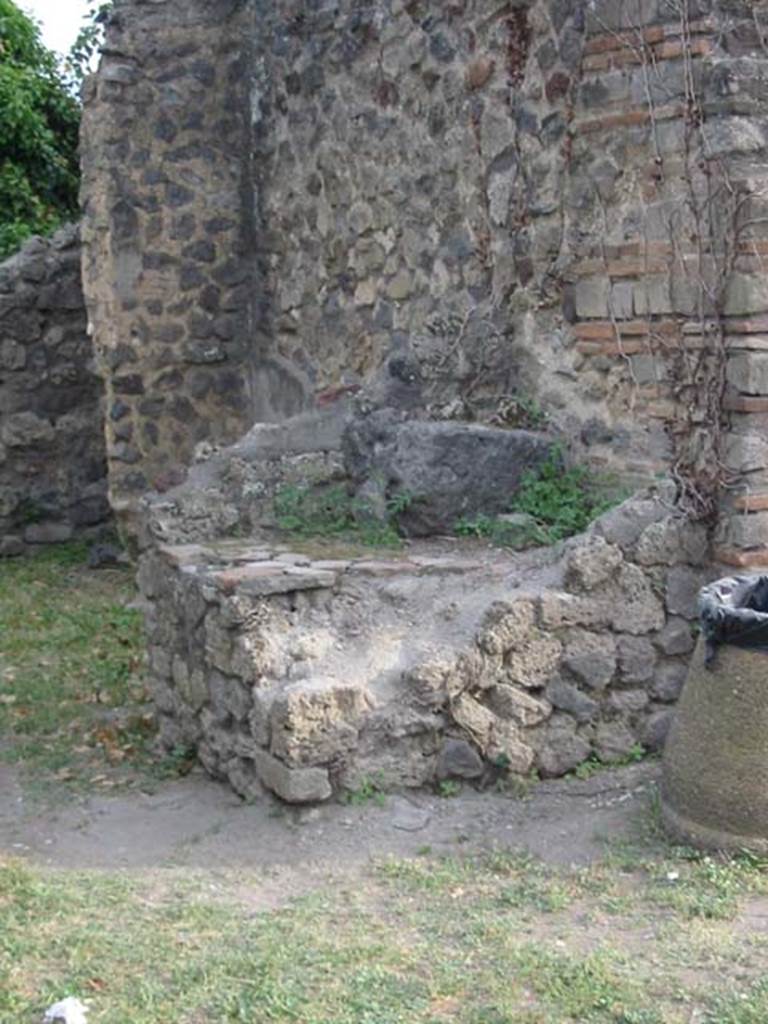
point(60, 20)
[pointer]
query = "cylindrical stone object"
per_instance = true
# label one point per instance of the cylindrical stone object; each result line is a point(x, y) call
point(715, 778)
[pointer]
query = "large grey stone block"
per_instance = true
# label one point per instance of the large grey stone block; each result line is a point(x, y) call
point(447, 470)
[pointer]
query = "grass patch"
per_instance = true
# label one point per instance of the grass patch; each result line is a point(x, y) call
point(71, 655)
point(563, 501)
point(500, 939)
point(331, 512)
point(553, 503)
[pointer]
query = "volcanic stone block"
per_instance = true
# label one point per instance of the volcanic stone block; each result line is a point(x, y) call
point(447, 470)
point(294, 785)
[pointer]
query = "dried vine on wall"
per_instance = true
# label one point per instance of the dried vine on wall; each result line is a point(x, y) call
point(704, 241)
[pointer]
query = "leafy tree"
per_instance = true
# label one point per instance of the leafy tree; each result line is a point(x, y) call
point(39, 122)
point(89, 40)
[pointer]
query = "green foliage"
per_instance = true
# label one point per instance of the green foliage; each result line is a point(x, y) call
point(332, 512)
point(520, 412)
point(39, 124)
point(448, 788)
point(558, 502)
point(370, 790)
point(497, 531)
point(89, 40)
point(69, 651)
point(562, 501)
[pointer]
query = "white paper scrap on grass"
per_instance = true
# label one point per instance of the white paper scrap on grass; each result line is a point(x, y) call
point(66, 1011)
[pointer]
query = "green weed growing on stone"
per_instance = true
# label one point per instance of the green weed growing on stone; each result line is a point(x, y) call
point(519, 412)
point(332, 512)
point(448, 788)
point(500, 532)
point(370, 790)
point(562, 501)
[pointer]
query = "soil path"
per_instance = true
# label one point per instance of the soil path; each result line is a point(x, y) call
point(197, 823)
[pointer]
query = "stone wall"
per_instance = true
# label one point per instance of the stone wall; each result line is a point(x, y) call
point(466, 210)
point(171, 258)
point(52, 461)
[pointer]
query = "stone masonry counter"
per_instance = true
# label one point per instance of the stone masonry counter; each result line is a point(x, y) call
point(310, 671)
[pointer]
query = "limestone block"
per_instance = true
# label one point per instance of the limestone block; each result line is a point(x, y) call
point(591, 298)
point(590, 657)
point(749, 530)
point(506, 626)
point(314, 721)
point(745, 453)
point(512, 702)
point(732, 136)
point(746, 294)
point(592, 562)
point(427, 684)
point(294, 785)
point(659, 295)
point(473, 670)
point(559, 609)
point(627, 604)
point(622, 300)
point(634, 607)
point(534, 663)
point(508, 749)
point(673, 541)
point(748, 373)
point(474, 717)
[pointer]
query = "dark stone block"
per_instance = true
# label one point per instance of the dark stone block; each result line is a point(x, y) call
point(458, 760)
point(546, 56)
point(169, 334)
point(210, 298)
point(448, 469)
point(178, 195)
point(130, 384)
point(183, 227)
point(441, 48)
point(165, 130)
point(191, 277)
point(201, 252)
point(119, 410)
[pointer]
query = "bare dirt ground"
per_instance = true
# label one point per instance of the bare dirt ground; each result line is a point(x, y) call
point(198, 823)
